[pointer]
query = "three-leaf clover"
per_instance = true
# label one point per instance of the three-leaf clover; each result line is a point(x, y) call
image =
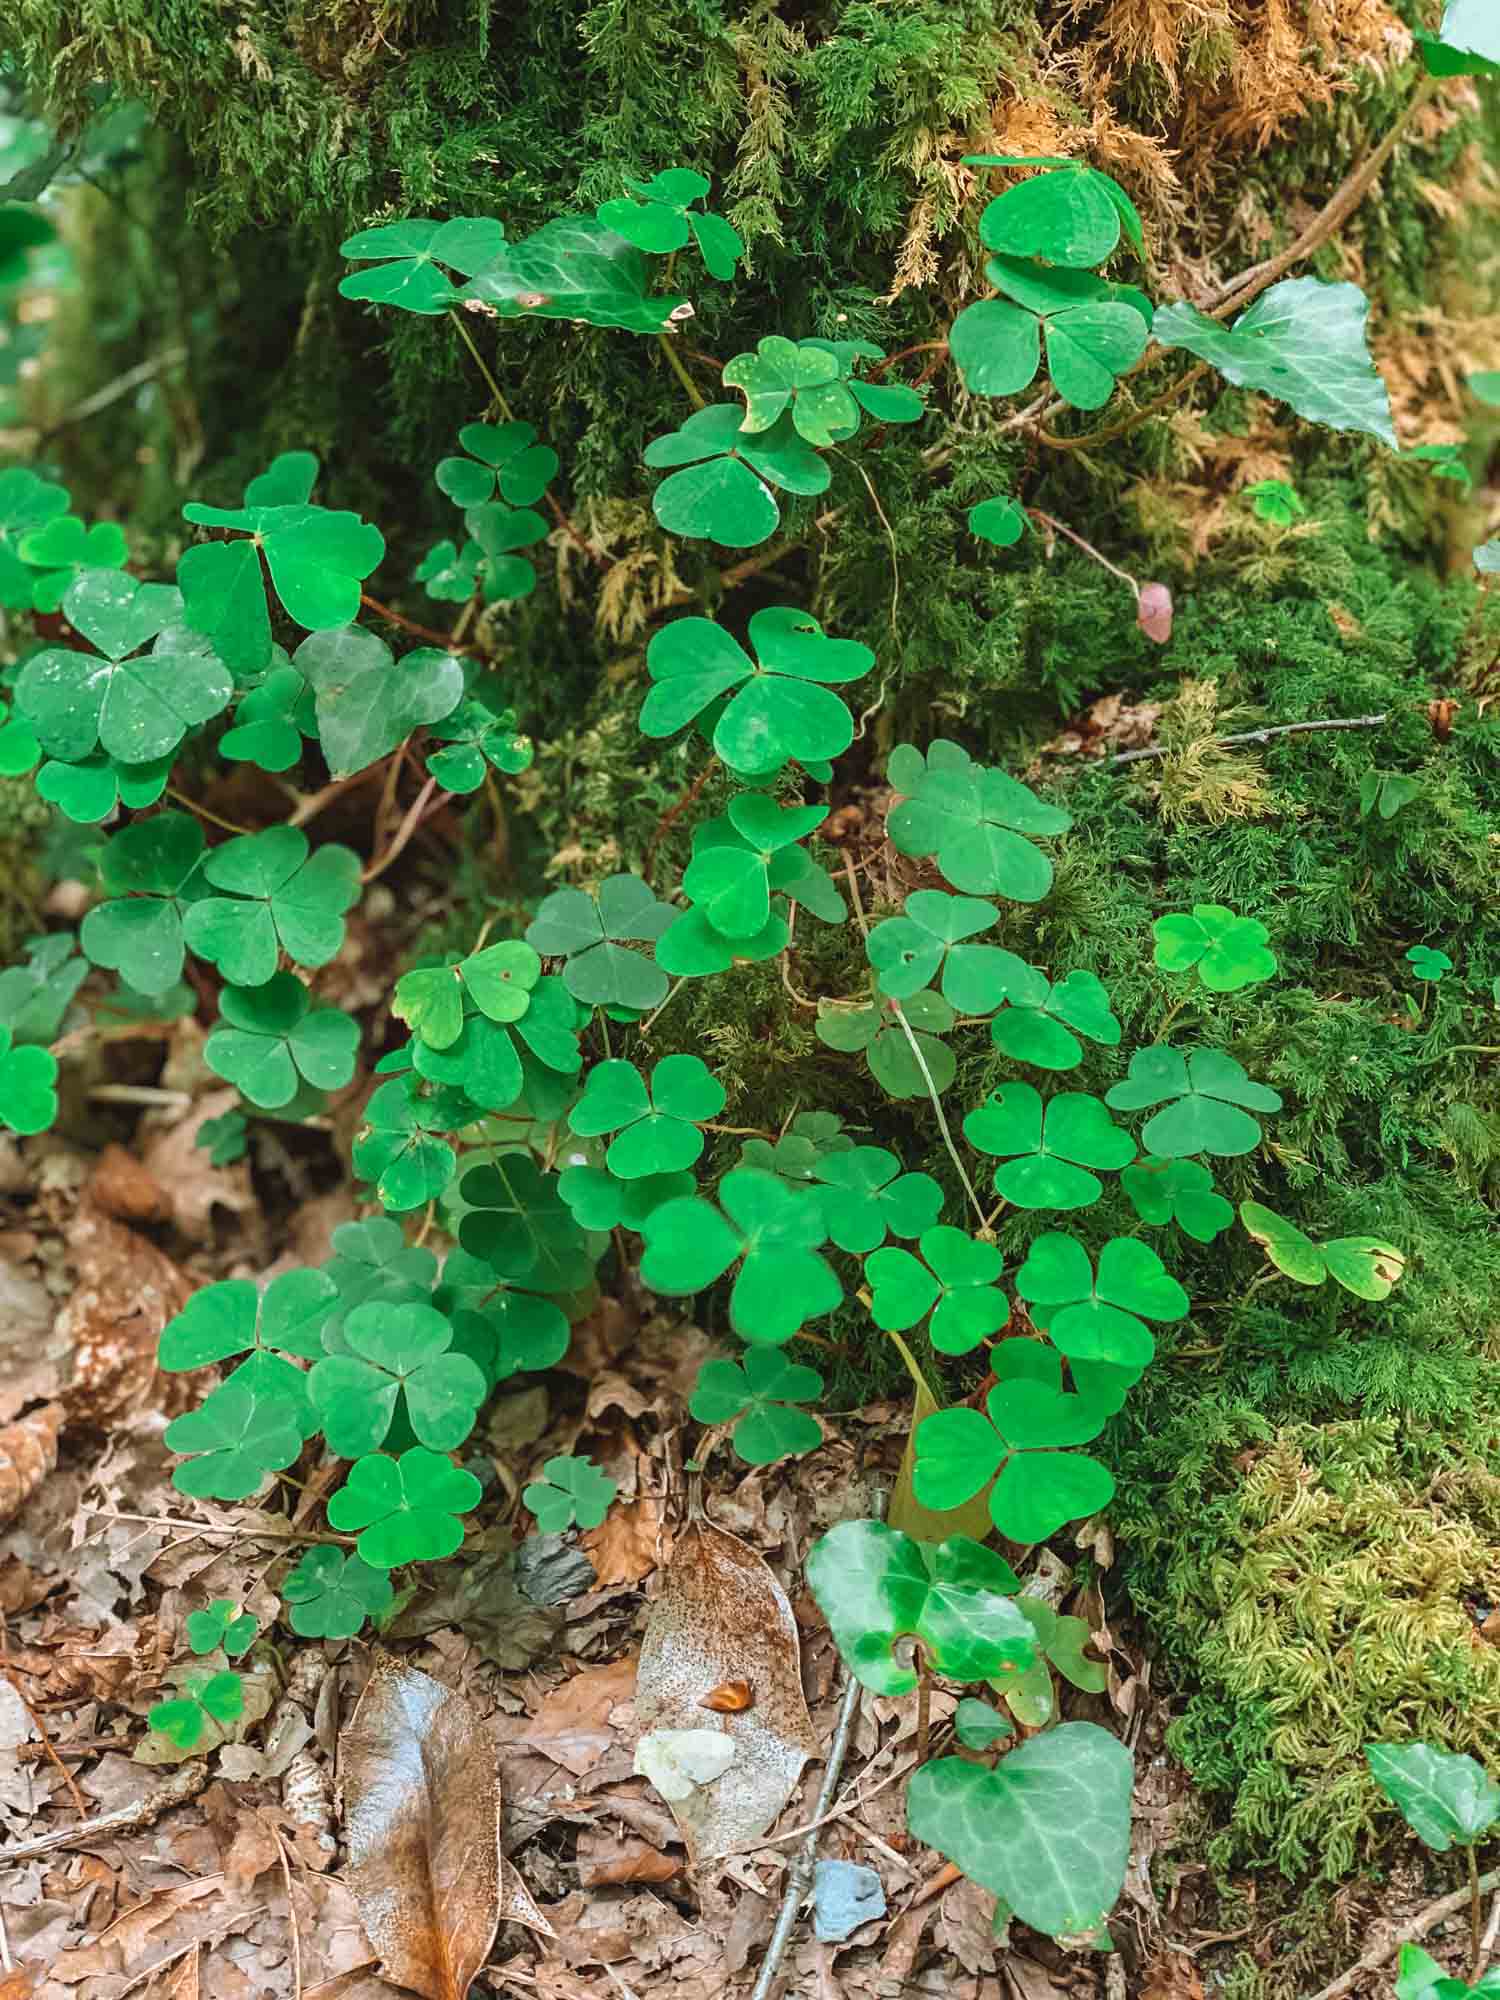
point(779, 706)
point(19, 747)
point(28, 1078)
point(1276, 501)
point(450, 573)
point(518, 1222)
point(1046, 1147)
point(1030, 1419)
point(1071, 215)
point(472, 737)
point(504, 459)
point(491, 1061)
point(90, 789)
point(865, 1195)
point(1208, 1099)
point(811, 1138)
point(36, 995)
point(721, 478)
point(593, 932)
point(1386, 792)
point(367, 701)
point(224, 1138)
point(281, 897)
point(759, 1392)
point(330, 1595)
point(406, 259)
point(907, 952)
point(232, 1317)
point(656, 1125)
point(955, 1281)
point(27, 503)
point(272, 1036)
point(238, 1436)
point(599, 1201)
point(498, 532)
point(1098, 1313)
point(1041, 1024)
point(574, 1491)
point(499, 979)
point(776, 1229)
point(138, 705)
point(1229, 952)
point(217, 1698)
point(1180, 1191)
point(222, 1624)
point(877, 1586)
point(690, 947)
point(880, 1030)
point(1001, 519)
point(739, 862)
point(271, 721)
point(398, 1147)
point(1445, 1798)
point(814, 381)
point(1427, 962)
point(997, 343)
point(63, 549)
point(145, 870)
point(661, 218)
point(404, 1509)
point(1367, 1266)
point(973, 819)
point(395, 1354)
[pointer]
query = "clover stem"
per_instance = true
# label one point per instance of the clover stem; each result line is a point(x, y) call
point(203, 812)
point(497, 394)
point(1062, 528)
point(675, 988)
point(399, 618)
point(427, 1221)
point(921, 1061)
point(680, 372)
point(603, 1021)
point(890, 535)
point(1171, 1015)
point(924, 1706)
point(1476, 1949)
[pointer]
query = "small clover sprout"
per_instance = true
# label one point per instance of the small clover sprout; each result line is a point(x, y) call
point(145, 870)
point(865, 1195)
point(272, 1039)
point(330, 1594)
point(400, 1146)
point(1228, 952)
point(404, 1509)
point(814, 382)
point(661, 218)
point(1207, 1097)
point(721, 480)
point(903, 1064)
point(210, 1699)
point(222, 1624)
point(592, 934)
point(398, 1363)
point(574, 1493)
point(1275, 501)
point(1040, 1024)
point(1386, 792)
point(504, 459)
point(1180, 1191)
point(279, 896)
point(1427, 962)
point(1098, 1313)
point(759, 1393)
point(774, 1228)
point(224, 1138)
point(1000, 520)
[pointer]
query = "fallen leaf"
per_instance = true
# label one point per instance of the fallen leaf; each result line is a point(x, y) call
point(680, 1762)
point(421, 1812)
point(1441, 715)
point(482, 1597)
point(722, 1615)
point(126, 1292)
point(32, 1354)
point(729, 1698)
point(192, 1185)
point(28, 1452)
point(125, 1189)
point(603, 1860)
point(625, 1546)
point(1153, 612)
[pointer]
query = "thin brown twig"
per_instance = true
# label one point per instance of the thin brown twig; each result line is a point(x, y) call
point(1262, 735)
point(182, 799)
point(1418, 1926)
point(47, 1744)
point(1062, 528)
point(291, 1908)
point(394, 617)
point(404, 832)
point(674, 812)
point(310, 804)
point(206, 1528)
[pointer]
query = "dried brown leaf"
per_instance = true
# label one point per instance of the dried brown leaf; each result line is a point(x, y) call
point(28, 1452)
point(126, 1292)
point(722, 1616)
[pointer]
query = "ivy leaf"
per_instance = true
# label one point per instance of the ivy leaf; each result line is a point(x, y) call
point(1001, 520)
point(955, 1282)
point(271, 721)
point(282, 899)
point(240, 1434)
point(330, 1595)
point(1208, 1097)
point(145, 870)
point(396, 1355)
point(1445, 1799)
point(574, 268)
point(1364, 1265)
point(1046, 1148)
point(656, 1125)
point(1303, 341)
point(404, 1509)
point(574, 1492)
point(876, 1586)
point(1100, 1318)
point(409, 254)
point(505, 458)
point(973, 819)
point(398, 1147)
point(865, 1195)
point(723, 491)
point(662, 219)
point(1037, 1024)
point(907, 951)
point(758, 1393)
point(591, 933)
point(64, 549)
point(232, 1317)
point(518, 1222)
point(778, 706)
point(475, 735)
point(28, 1078)
point(1180, 1191)
point(139, 706)
point(35, 996)
point(367, 704)
point(210, 1697)
point(1047, 1830)
point(782, 1282)
point(1229, 952)
point(222, 1624)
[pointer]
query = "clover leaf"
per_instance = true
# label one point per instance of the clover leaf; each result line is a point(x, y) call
point(406, 257)
point(1303, 341)
point(574, 268)
point(504, 459)
point(282, 898)
point(690, 947)
point(1046, 1147)
point(866, 1196)
point(591, 932)
point(1071, 215)
point(1100, 1317)
point(574, 1491)
point(139, 706)
point(35, 996)
point(367, 702)
point(759, 1392)
point(775, 1229)
point(1229, 952)
point(1038, 1023)
point(19, 747)
point(1030, 1419)
point(218, 1698)
point(878, 1031)
point(1208, 1100)
point(222, 1624)
point(777, 708)
point(90, 789)
point(973, 819)
point(908, 951)
point(396, 1356)
point(271, 1036)
point(955, 1282)
point(240, 1434)
point(223, 1139)
point(404, 1509)
point(27, 503)
point(505, 1328)
point(330, 1595)
point(1367, 1266)
point(739, 863)
point(475, 735)
point(662, 218)
point(1387, 792)
point(499, 980)
point(656, 1125)
point(1275, 501)
point(1468, 45)
point(722, 491)
point(145, 870)
point(811, 1138)
point(64, 549)
point(233, 1317)
point(1445, 1798)
point(398, 1147)
point(1093, 334)
point(28, 1076)
point(1180, 1191)
point(813, 381)
point(1047, 1829)
point(877, 1586)
point(1000, 519)
point(271, 721)
point(1428, 963)
point(492, 1062)
point(498, 531)
point(518, 1222)
point(598, 1200)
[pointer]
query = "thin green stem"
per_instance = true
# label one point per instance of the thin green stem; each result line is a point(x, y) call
point(497, 394)
point(673, 991)
point(937, 1104)
point(694, 397)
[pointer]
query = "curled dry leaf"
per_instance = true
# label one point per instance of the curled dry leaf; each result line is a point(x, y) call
point(126, 1292)
point(722, 1616)
point(421, 1811)
point(28, 1452)
point(1153, 612)
point(731, 1698)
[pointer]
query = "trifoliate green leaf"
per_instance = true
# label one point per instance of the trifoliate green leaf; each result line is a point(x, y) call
point(661, 219)
point(1275, 501)
point(775, 1229)
point(398, 1147)
point(367, 703)
point(1364, 1265)
point(1038, 1025)
point(404, 1509)
point(690, 947)
point(35, 995)
point(759, 1393)
point(145, 870)
point(271, 721)
point(974, 820)
point(1427, 962)
point(1046, 1147)
point(28, 1079)
point(1071, 215)
point(599, 1201)
point(450, 573)
point(209, 1698)
point(475, 735)
point(232, 1317)
point(1180, 1191)
point(222, 1624)
point(90, 789)
point(64, 549)
point(498, 531)
point(281, 898)
point(504, 459)
point(656, 1125)
point(899, 1069)
point(27, 503)
point(574, 268)
point(330, 1595)
point(955, 1281)
point(723, 491)
point(409, 254)
point(372, 1260)
point(1100, 1317)
point(240, 1435)
point(271, 1035)
point(781, 376)
point(865, 1195)
point(518, 1222)
point(738, 862)
point(592, 933)
point(1387, 792)
point(1208, 1097)
point(811, 1138)
point(1229, 952)
point(574, 1493)
point(398, 1361)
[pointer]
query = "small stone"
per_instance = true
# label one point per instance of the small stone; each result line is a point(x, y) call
point(845, 1895)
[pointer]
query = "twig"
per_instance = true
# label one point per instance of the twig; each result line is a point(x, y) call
point(674, 812)
point(1491, 1933)
point(404, 832)
point(924, 1706)
point(203, 812)
point(943, 1878)
point(1408, 1933)
point(1062, 528)
point(138, 1093)
point(291, 1908)
point(392, 617)
point(208, 1528)
point(184, 1784)
point(47, 1744)
point(122, 385)
point(310, 804)
point(1262, 735)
